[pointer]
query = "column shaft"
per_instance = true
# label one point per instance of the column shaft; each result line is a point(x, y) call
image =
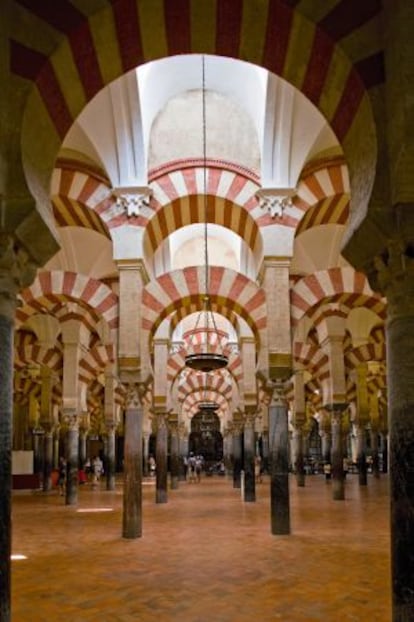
point(132, 500)
point(400, 363)
point(110, 458)
point(161, 447)
point(338, 484)
point(248, 462)
point(279, 469)
point(237, 457)
point(6, 406)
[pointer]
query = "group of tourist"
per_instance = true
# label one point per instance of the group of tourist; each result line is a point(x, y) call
point(91, 472)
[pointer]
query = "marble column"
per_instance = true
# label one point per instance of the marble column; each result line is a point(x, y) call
point(71, 424)
point(361, 455)
point(6, 405)
point(183, 449)
point(237, 453)
point(47, 457)
point(83, 433)
point(279, 462)
point(374, 452)
point(161, 447)
point(146, 438)
point(132, 497)
point(299, 458)
point(248, 458)
point(337, 456)
point(110, 455)
point(265, 450)
point(174, 457)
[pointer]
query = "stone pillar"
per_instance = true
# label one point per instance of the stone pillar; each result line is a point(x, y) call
point(299, 458)
point(110, 428)
point(237, 451)
point(83, 435)
point(161, 447)
point(56, 443)
point(279, 461)
point(265, 450)
point(183, 449)
point(71, 425)
point(110, 425)
point(337, 456)
point(132, 497)
point(47, 456)
point(362, 417)
point(146, 438)
point(47, 424)
point(15, 272)
point(374, 433)
point(249, 454)
point(75, 337)
point(395, 278)
point(299, 420)
point(174, 457)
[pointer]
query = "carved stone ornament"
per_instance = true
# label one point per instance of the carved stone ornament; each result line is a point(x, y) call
point(132, 200)
point(132, 397)
point(70, 419)
point(17, 270)
point(275, 201)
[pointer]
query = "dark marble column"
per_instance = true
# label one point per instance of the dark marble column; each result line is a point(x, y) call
point(384, 448)
point(299, 461)
point(161, 448)
point(72, 456)
point(174, 457)
point(132, 498)
point(279, 463)
point(38, 454)
point(183, 450)
point(6, 406)
point(374, 452)
point(82, 446)
point(400, 365)
point(265, 450)
point(248, 458)
point(110, 455)
point(337, 456)
point(361, 455)
point(47, 457)
point(145, 444)
point(237, 454)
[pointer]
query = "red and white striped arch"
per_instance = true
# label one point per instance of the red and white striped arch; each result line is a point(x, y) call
point(28, 350)
point(181, 291)
point(83, 198)
point(57, 287)
point(217, 382)
point(343, 285)
point(94, 362)
point(191, 404)
point(304, 50)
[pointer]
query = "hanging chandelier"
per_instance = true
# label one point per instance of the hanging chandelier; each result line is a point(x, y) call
point(206, 405)
point(206, 357)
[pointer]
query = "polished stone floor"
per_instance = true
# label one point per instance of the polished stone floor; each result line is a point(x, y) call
point(205, 556)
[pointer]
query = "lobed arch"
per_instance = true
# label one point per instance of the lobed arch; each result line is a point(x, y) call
point(90, 51)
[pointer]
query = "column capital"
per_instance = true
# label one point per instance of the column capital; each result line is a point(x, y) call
point(17, 270)
point(70, 419)
point(135, 393)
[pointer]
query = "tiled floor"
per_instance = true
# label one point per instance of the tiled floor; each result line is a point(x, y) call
point(205, 556)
